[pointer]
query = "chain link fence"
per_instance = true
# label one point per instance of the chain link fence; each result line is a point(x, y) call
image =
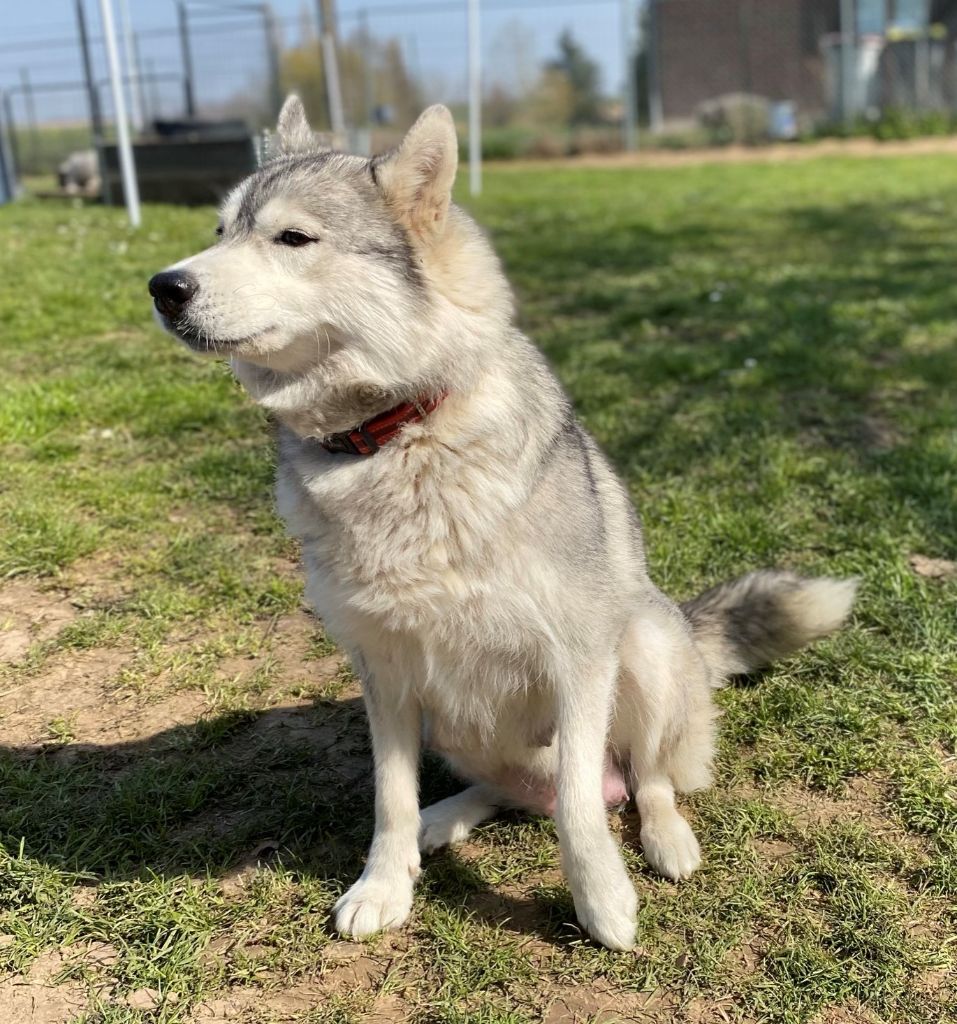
point(552, 71)
point(559, 76)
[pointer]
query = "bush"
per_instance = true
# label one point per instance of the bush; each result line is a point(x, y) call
point(503, 143)
point(736, 117)
point(893, 124)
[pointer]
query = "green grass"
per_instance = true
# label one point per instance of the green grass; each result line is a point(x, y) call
point(768, 355)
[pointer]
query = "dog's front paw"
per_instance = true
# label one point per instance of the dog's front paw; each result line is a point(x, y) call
point(670, 847)
point(373, 905)
point(612, 927)
point(607, 905)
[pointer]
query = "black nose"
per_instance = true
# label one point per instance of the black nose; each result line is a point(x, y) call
point(171, 290)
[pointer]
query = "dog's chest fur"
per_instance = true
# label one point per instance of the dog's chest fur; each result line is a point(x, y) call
point(415, 557)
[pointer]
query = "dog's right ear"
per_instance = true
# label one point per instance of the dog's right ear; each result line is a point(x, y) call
point(417, 178)
point(293, 131)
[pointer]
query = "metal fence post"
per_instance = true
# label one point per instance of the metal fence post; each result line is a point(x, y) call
point(133, 66)
point(475, 98)
point(271, 33)
point(189, 97)
point(131, 192)
point(330, 62)
point(93, 97)
point(11, 130)
point(848, 40)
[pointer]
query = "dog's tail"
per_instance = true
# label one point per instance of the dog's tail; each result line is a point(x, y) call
point(747, 623)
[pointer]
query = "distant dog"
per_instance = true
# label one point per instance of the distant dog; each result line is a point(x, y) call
point(79, 174)
point(464, 537)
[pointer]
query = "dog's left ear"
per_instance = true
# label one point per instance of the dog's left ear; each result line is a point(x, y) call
point(417, 178)
point(293, 131)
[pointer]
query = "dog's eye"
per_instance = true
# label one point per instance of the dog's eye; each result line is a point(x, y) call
point(220, 230)
point(294, 238)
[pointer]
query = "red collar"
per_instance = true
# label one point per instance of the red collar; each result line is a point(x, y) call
point(370, 436)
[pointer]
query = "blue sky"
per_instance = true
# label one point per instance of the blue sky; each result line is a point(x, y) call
point(228, 51)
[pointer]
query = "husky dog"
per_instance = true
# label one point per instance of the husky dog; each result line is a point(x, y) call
point(464, 538)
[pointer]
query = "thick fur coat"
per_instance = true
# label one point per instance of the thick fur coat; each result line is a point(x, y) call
point(485, 569)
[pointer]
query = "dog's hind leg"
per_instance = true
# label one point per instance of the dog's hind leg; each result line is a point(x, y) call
point(451, 820)
point(664, 723)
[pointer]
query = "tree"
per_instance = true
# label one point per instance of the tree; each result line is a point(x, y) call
point(553, 101)
point(583, 76)
point(371, 71)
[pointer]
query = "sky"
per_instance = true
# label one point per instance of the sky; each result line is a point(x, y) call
point(38, 44)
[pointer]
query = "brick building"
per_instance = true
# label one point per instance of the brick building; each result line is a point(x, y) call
point(779, 49)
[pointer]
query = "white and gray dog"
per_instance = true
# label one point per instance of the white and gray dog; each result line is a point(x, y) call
point(464, 538)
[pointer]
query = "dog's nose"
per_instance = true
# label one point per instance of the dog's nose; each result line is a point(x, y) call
point(171, 290)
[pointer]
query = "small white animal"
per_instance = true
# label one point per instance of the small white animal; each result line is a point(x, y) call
point(79, 174)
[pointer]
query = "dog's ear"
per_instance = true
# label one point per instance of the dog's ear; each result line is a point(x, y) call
point(416, 179)
point(292, 129)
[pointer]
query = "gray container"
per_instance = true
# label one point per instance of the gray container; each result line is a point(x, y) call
point(191, 171)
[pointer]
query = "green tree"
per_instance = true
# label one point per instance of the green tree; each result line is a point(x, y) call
point(372, 71)
point(583, 76)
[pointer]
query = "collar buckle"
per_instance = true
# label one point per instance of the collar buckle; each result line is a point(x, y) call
point(340, 444)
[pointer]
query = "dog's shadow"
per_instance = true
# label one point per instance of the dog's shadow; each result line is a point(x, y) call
point(290, 785)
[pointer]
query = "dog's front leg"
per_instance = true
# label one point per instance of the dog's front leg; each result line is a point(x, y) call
point(605, 900)
point(382, 897)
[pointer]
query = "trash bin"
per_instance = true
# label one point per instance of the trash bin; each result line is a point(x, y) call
point(782, 121)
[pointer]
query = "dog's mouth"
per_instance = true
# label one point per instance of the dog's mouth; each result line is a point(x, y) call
point(203, 341)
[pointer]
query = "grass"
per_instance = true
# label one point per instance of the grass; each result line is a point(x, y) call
point(767, 354)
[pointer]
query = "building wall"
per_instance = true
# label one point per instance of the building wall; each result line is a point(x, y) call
point(707, 48)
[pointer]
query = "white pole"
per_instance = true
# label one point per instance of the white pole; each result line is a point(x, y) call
point(337, 121)
point(475, 98)
point(328, 34)
point(132, 65)
point(127, 168)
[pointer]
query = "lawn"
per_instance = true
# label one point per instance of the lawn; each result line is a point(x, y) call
point(768, 355)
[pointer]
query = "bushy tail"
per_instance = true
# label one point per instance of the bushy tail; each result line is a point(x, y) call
point(747, 623)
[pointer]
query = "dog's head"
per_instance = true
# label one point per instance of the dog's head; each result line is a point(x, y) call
point(322, 254)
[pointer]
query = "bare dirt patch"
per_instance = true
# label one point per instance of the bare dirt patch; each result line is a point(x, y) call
point(338, 974)
point(29, 615)
point(69, 696)
point(35, 997)
point(933, 568)
point(850, 1013)
point(861, 801)
point(774, 850)
point(98, 581)
point(602, 1003)
point(745, 959)
point(712, 1010)
point(289, 651)
point(779, 153)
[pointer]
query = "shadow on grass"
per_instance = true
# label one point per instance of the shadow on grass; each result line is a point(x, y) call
point(825, 329)
point(203, 799)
